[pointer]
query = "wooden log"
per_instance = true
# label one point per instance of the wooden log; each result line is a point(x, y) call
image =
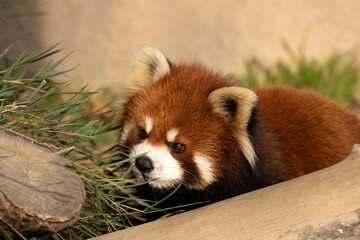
point(321, 205)
point(38, 195)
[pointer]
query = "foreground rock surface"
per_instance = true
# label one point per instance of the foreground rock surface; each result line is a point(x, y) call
point(38, 195)
point(321, 205)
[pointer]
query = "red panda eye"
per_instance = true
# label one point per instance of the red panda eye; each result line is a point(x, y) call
point(142, 133)
point(178, 147)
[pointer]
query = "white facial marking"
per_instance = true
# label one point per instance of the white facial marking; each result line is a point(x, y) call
point(148, 125)
point(124, 134)
point(205, 167)
point(167, 171)
point(171, 135)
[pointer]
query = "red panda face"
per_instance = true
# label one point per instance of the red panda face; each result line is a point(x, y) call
point(178, 122)
point(170, 157)
point(177, 130)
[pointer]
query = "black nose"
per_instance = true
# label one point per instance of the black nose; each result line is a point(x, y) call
point(144, 164)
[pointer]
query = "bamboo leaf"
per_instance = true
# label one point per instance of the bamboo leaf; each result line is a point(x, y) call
point(2, 54)
point(8, 71)
point(87, 126)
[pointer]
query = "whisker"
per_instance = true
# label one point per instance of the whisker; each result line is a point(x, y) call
point(124, 150)
point(124, 146)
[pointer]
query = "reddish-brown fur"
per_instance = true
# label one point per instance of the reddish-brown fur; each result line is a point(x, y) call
point(294, 132)
point(309, 132)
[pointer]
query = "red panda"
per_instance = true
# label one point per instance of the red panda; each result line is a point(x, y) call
point(194, 127)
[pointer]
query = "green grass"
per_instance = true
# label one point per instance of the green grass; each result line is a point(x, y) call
point(35, 105)
point(336, 77)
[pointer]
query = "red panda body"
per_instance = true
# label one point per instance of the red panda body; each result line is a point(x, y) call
point(196, 129)
point(309, 131)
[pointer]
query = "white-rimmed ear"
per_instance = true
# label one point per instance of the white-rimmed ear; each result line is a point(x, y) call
point(149, 65)
point(235, 105)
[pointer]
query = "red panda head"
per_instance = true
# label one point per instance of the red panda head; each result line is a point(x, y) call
point(185, 120)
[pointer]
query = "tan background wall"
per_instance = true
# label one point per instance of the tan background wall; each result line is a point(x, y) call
point(222, 34)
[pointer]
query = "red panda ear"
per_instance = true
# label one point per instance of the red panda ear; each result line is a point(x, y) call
point(149, 65)
point(235, 105)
